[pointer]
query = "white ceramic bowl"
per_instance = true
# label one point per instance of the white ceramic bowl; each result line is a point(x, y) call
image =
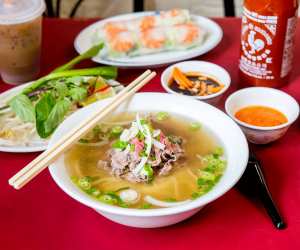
point(266, 97)
point(207, 68)
point(215, 121)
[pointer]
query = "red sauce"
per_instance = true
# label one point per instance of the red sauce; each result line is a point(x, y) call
point(261, 116)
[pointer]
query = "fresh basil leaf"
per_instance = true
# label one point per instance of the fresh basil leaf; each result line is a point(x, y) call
point(61, 90)
point(78, 94)
point(23, 108)
point(42, 110)
point(57, 115)
point(77, 80)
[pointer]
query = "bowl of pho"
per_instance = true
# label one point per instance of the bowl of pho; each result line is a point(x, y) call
point(157, 160)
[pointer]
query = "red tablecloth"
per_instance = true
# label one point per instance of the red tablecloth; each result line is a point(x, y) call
point(41, 216)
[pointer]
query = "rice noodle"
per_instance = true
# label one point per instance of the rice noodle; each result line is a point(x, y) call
point(160, 203)
point(189, 171)
point(123, 123)
point(93, 144)
point(176, 190)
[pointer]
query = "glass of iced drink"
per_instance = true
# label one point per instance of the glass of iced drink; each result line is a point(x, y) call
point(20, 39)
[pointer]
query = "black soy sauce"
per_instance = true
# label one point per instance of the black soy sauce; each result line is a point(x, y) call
point(209, 81)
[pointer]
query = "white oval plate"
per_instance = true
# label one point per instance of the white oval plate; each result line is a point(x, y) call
point(19, 149)
point(83, 42)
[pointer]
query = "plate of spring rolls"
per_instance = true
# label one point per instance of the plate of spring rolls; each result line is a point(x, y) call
point(150, 39)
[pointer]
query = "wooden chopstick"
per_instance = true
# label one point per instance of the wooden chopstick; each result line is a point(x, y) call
point(50, 155)
point(36, 160)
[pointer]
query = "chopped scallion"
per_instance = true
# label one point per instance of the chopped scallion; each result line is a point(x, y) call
point(161, 116)
point(195, 126)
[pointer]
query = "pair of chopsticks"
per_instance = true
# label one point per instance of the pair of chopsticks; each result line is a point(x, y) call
point(51, 154)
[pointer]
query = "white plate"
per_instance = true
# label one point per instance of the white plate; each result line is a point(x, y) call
point(19, 149)
point(83, 42)
point(5, 96)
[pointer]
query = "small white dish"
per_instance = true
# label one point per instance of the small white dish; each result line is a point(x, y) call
point(263, 96)
point(215, 121)
point(207, 68)
point(83, 42)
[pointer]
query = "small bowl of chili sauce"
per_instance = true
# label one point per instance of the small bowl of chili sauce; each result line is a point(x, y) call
point(264, 114)
point(198, 79)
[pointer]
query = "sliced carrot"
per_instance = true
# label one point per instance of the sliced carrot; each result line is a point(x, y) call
point(193, 73)
point(216, 89)
point(178, 79)
point(181, 78)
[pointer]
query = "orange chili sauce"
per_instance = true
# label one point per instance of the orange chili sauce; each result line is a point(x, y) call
point(261, 116)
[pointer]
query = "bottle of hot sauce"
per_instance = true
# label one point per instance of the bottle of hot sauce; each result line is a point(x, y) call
point(267, 42)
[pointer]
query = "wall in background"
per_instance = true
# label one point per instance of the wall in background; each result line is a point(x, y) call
point(105, 8)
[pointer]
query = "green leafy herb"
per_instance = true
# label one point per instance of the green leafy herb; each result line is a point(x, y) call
point(85, 183)
point(120, 144)
point(57, 115)
point(93, 191)
point(82, 140)
point(148, 171)
point(211, 173)
point(42, 110)
point(60, 87)
point(195, 126)
point(112, 198)
point(140, 136)
point(218, 152)
point(145, 206)
point(116, 131)
point(76, 80)
point(105, 71)
point(23, 108)
point(161, 116)
point(108, 199)
point(78, 94)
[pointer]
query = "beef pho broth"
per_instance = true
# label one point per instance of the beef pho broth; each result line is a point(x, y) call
point(183, 163)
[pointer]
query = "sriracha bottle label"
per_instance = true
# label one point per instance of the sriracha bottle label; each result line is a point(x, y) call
point(267, 42)
point(258, 33)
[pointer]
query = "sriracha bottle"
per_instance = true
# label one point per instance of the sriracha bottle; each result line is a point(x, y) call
point(267, 42)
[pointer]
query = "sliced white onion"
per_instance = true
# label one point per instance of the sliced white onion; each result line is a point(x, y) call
point(160, 203)
point(140, 166)
point(148, 140)
point(130, 133)
point(139, 124)
point(156, 132)
point(158, 144)
point(125, 135)
point(129, 196)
